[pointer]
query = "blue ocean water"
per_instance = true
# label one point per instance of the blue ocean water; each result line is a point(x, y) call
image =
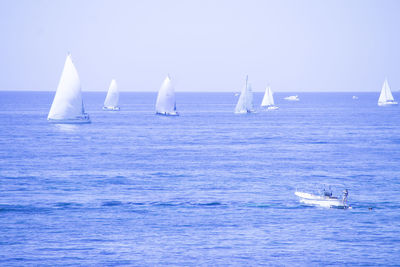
point(207, 188)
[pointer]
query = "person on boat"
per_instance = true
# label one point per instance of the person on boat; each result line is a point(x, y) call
point(345, 194)
point(327, 193)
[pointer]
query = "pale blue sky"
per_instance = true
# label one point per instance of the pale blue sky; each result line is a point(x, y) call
point(205, 45)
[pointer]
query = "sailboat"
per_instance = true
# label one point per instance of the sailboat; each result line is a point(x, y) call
point(268, 100)
point(386, 97)
point(245, 102)
point(165, 104)
point(111, 101)
point(68, 105)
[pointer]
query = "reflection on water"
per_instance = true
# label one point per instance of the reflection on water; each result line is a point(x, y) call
point(66, 127)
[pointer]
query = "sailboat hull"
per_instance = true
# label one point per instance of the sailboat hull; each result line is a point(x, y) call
point(111, 108)
point(271, 107)
point(79, 120)
point(167, 113)
point(382, 104)
point(244, 112)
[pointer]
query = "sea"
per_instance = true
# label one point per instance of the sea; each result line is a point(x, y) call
point(206, 188)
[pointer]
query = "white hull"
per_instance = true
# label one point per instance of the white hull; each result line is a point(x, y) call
point(78, 120)
point(328, 203)
point(387, 103)
point(292, 98)
point(322, 201)
point(270, 107)
point(111, 108)
point(244, 112)
point(168, 113)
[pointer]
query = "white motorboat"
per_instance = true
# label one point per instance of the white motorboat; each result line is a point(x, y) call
point(292, 98)
point(325, 200)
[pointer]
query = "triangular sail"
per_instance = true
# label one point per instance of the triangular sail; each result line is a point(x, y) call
point(68, 103)
point(386, 93)
point(112, 95)
point(271, 96)
point(268, 99)
point(165, 103)
point(245, 102)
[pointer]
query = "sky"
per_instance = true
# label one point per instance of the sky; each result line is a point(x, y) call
point(204, 45)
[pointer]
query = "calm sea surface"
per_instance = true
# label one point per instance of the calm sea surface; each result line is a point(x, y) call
point(207, 188)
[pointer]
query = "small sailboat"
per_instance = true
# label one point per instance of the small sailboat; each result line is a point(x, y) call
point(111, 101)
point(355, 97)
point(268, 100)
point(386, 97)
point(326, 200)
point(68, 105)
point(245, 102)
point(292, 98)
point(166, 104)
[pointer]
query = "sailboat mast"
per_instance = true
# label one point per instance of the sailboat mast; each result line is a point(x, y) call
point(245, 94)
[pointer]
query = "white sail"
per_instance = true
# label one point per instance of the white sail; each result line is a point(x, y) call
point(268, 99)
point(165, 104)
point(245, 102)
point(386, 97)
point(271, 97)
point(68, 105)
point(111, 101)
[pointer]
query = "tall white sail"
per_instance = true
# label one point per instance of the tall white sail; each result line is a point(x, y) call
point(165, 104)
point(386, 97)
point(68, 105)
point(245, 102)
point(111, 101)
point(268, 99)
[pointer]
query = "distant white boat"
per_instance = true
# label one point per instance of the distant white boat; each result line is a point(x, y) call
point(268, 100)
point(355, 97)
point(326, 200)
point(292, 98)
point(245, 102)
point(166, 104)
point(68, 105)
point(111, 101)
point(386, 97)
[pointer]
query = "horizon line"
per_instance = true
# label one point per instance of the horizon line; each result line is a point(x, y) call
point(178, 91)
